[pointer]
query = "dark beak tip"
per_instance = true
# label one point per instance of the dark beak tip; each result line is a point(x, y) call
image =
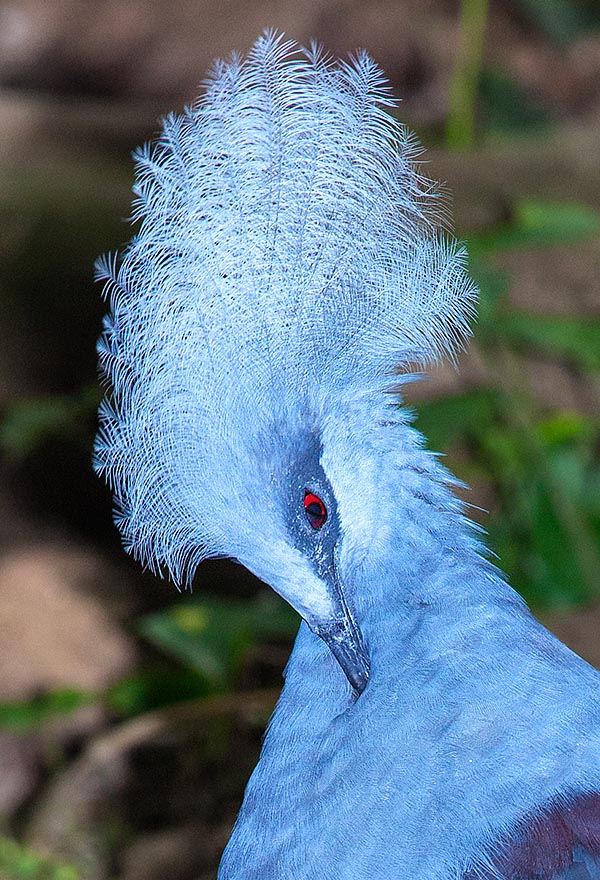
point(345, 641)
point(359, 682)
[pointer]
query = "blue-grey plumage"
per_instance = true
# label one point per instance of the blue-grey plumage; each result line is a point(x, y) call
point(287, 264)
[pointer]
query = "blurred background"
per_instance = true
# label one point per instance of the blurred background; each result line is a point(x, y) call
point(131, 715)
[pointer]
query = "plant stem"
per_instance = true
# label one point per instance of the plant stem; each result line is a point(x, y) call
point(460, 126)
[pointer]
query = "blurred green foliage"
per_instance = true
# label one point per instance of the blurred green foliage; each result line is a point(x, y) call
point(32, 714)
point(19, 863)
point(534, 223)
point(210, 640)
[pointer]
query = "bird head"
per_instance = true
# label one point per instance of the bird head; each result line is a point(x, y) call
point(286, 265)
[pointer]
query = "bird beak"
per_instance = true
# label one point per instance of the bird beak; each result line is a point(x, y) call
point(344, 640)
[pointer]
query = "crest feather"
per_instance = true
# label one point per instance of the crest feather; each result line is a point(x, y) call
point(285, 257)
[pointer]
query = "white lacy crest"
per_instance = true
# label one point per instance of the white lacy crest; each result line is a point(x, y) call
point(287, 255)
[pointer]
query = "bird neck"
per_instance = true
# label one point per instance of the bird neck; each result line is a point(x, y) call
point(426, 560)
point(406, 542)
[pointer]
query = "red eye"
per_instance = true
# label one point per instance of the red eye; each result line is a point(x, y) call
point(316, 512)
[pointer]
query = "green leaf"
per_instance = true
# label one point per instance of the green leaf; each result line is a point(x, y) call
point(576, 339)
point(539, 224)
point(564, 426)
point(159, 685)
point(212, 636)
point(31, 714)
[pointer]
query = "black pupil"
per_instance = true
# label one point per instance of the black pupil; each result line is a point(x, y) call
point(315, 512)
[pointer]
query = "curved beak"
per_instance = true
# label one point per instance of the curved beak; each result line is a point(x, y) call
point(344, 640)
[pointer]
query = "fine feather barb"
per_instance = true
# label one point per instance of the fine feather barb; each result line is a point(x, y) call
point(286, 257)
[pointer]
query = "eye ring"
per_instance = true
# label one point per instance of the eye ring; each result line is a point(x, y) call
point(315, 510)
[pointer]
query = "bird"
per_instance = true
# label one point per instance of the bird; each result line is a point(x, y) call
point(292, 270)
